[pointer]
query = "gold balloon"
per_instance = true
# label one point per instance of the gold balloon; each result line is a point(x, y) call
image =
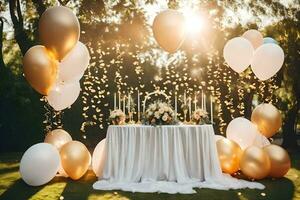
point(75, 159)
point(58, 138)
point(255, 163)
point(280, 160)
point(229, 155)
point(40, 69)
point(169, 30)
point(59, 30)
point(267, 118)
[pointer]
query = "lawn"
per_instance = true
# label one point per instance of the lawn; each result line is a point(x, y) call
point(13, 188)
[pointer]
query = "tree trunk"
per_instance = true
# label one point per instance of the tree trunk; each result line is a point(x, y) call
point(20, 35)
point(289, 128)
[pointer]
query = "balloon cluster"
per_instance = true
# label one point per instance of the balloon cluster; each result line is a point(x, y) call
point(264, 54)
point(60, 154)
point(247, 148)
point(55, 69)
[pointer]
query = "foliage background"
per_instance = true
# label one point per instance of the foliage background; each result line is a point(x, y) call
point(126, 58)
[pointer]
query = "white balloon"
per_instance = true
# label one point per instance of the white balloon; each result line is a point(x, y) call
point(63, 95)
point(218, 137)
point(238, 53)
point(99, 157)
point(39, 164)
point(242, 131)
point(261, 141)
point(255, 37)
point(72, 67)
point(267, 61)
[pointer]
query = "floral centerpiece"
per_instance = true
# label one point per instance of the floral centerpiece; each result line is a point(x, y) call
point(160, 113)
point(117, 117)
point(200, 116)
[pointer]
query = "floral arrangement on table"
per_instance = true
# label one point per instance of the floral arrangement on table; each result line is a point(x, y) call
point(200, 116)
point(117, 117)
point(159, 113)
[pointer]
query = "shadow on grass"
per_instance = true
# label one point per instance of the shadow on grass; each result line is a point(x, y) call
point(20, 190)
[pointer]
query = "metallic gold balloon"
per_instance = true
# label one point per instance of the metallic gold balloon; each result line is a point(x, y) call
point(59, 30)
point(75, 159)
point(229, 155)
point(58, 138)
point(280, 160)
point(169, 30)
point(40, 69)
point(267, 118)
point(255, 163)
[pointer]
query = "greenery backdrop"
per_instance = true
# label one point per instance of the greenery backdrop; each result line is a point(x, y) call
point(126, 58)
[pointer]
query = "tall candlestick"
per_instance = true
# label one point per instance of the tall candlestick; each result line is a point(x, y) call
point(138, 108)
point(184, 98)
point(119, 100)
point(175, 106)
point(190, 107)
point(128, 103)
point(195, 101)
point(202, 103)
point(115, 101)
point(211, 110)
point(124, 111)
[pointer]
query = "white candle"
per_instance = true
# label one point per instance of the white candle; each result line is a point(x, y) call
point(211, 110)
point(190, 107)
point(184, 98)
point(175, 106)
point(202, 104)
point(115, 101)
point(119, 100)
point(124, 104)
point(128, 102)
point(138, 102)
point(195, 101)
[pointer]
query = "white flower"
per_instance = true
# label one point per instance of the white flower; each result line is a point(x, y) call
point(157, 115)
point(197, 116)
point(165, 117)
point(161, 110)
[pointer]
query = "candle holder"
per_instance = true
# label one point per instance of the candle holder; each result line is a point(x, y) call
point(131, 121)
point(184, 116)
point(139, 118)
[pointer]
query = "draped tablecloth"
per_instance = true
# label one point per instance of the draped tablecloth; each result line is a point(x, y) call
point(169, 159)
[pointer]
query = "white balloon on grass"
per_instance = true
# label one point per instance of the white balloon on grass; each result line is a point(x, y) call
point(238, 53)
point(99, 157)
point(63, 95)
point(39, 164)
point(255, 37)
point(72, 67)
point(218, 137)
point(242, 131)
point(267, 61)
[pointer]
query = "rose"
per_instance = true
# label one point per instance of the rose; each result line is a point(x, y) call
point(161, 110)
point(197, 116)
point(165, 117)
point(157, 115)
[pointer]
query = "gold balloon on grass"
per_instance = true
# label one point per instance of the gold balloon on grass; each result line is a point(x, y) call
point(229, 155)
point(75, 159)
point(255, 163)
point(59, 30)
point(40, 69)
point(169, 30)
point(58, 138)
point(267, 118)
point(280, 160)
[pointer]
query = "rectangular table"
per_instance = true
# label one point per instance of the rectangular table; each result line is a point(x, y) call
point(171, 159)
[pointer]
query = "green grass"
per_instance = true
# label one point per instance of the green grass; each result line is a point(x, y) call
point(13, 188)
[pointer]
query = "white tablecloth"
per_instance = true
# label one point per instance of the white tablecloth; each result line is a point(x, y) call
point(170, 159)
